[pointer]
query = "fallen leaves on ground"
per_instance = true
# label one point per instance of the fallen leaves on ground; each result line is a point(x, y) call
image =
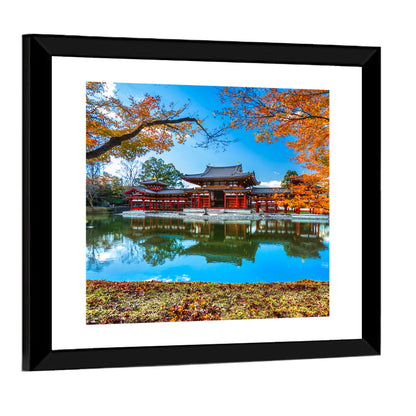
point(154, 301)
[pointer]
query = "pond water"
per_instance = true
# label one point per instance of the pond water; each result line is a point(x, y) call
point(180, 250)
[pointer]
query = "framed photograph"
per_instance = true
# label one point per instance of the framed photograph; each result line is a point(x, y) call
point(193, 202)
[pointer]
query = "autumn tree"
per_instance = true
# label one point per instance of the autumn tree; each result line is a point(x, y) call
point(101, 187)
point(158, 170)
point(114, 128)
point(301, 193)
point(300, 117)
point(111, 190)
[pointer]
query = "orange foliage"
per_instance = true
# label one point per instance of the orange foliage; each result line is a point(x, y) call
point(116, 129)
point(301, 117)
point(303, 193)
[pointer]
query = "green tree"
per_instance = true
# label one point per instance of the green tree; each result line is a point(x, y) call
point(103, 188)
point(157, 169)
point(288, 175)
point(112, 190)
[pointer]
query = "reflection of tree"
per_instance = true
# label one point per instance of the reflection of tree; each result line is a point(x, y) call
point(92, 259)
point(304, 249)
point(102, 233)
point(158, 249)
point(105, 230)
point(132, 252)
point(221, 252)
point(298, 239)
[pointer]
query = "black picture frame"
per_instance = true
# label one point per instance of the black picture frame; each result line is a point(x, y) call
point(38, 51)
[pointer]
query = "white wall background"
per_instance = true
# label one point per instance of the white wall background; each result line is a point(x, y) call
point(374, 385)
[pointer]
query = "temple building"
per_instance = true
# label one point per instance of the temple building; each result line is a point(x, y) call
point(225, 187)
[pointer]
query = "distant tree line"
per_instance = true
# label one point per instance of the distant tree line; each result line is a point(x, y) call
point(103, 189)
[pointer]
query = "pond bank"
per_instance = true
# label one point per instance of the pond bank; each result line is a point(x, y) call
point(105, 210)
point(221, 215)
point(154, 301)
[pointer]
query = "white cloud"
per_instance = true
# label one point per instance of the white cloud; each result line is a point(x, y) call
point(271, 184)
point(113, 167)
point(158, 278)
point(111, 114)
point(183, 278)
point(178, 278)
point(109, 90)
point(187, 185)
point(106, 255)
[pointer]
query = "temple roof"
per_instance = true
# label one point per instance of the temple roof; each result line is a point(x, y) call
point(255, 191)
point(220, 172)
point(153, 182)
point(138, 189)
point(175, 191)
point(171, 191)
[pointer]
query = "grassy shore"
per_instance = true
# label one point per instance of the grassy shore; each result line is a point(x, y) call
point(134, 302)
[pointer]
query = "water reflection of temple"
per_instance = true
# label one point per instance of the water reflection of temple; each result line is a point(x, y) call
point(230, 242)
point(222, 230)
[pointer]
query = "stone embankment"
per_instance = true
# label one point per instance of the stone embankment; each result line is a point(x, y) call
point(226, 215)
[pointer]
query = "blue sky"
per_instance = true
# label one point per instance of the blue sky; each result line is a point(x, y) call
point(269, 161)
